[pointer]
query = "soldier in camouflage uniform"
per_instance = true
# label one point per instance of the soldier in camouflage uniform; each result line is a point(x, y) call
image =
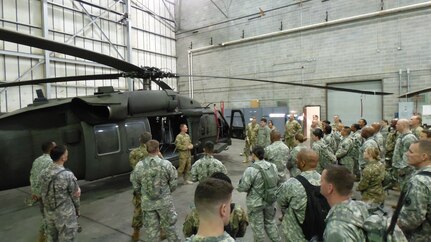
point(184, 146)
point(60, 196)
point(238, 220)
point(329, 138)
point(207, 165)
point(260, 213)
point(378, 137)
point(213, 202)
point(390, 143)
point(291, 128)
point(271, 126)
point(158, 211)
point(263, 134)
point(292, 158)
point(401, 171)
point(40, 164)
point(135, 156)
point(326, 156)
point(277, 154)
point(415, 216)
point(346, 217)
point(344, 153)
point(370, 186)
point(369, 141)
point(292, 198)
point(251, 138)
point(357, 143)
point(415, 125)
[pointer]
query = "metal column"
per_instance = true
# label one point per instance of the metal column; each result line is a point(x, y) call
point(128, 41)
point(46, 53)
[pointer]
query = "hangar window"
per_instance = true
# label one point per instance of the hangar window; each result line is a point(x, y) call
point(107, 139)
point(134, 129)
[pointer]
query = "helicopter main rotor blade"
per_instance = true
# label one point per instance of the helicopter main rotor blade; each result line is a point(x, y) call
point(292, 84)
point(63, 79)
point(45, 44)
point(414, 93)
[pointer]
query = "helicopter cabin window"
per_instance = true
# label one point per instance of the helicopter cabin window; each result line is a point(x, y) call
point(134, 130)
point(107, 139)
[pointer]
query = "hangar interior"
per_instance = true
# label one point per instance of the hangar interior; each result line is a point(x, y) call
point(376, 45)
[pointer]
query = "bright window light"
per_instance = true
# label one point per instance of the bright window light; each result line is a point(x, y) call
point(277, 115)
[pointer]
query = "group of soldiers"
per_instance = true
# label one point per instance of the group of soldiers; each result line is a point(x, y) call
point(379, 156)
point(338, 156)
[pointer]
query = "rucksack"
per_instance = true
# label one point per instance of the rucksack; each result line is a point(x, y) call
point(152, 178)
point(270, 183)
point(315, 212)
point(377, 227)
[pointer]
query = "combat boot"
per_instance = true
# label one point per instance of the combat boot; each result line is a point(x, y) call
point(135, 235)
point(42, 237)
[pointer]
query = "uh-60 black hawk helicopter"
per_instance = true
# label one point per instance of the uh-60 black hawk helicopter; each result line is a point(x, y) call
point(101, 129)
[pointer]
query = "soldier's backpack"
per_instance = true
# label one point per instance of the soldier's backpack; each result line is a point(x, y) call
point(152, 179)
point(270, 183)
point(315, 212)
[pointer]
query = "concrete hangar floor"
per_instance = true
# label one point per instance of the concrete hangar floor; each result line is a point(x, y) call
point(106, 206)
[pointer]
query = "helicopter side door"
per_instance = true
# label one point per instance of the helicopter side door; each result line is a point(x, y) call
point(237, 124)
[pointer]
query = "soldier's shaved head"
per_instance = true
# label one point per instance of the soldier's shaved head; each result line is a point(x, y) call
point(367, 132)
point(308, 158)
point(403, 125)
point(275, 136)
point(145, 137)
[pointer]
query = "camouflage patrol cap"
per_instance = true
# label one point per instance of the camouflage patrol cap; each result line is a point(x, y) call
point(145, 137)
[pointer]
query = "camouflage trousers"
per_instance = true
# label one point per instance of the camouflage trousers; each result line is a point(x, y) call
point(42, 229)
point(262, 220)
point(248, 148)
point(156, 220)
point(185, 164)
point(137, 212)
point(60, 227)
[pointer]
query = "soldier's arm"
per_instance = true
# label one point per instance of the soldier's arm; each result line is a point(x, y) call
point(194, 171)
point(246, 180)
point(173, 175)
point(135, 179)
point(132, 159)
point(342, 151)
point(191, 223)
point(74, 192)
point(414, 211)
point(283, 195)
point(365, 180)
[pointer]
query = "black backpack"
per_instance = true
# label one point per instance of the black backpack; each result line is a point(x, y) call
point(315, 212)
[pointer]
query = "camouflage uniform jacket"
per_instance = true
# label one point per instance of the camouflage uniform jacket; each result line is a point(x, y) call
point(323, 150)
point(277, 154)
point(58, 188)
point(370, 185)
point(41, 163)
point(291, 129)
point(378, 137)
point(370, 142)
point(263, 136)
point(402, 145)
point(238, 217)
point(251, 133)
point(415, 216)
point(330, 141)
point(344, 222)
point(344, 152)
point(225, 237)
point(292, 198)
point(205, 167)
point(168, 184)
point(182, 141)
point(390, 143)
point(137, 155)
point(291, 162)
point(252, 183)
point(417, 131)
